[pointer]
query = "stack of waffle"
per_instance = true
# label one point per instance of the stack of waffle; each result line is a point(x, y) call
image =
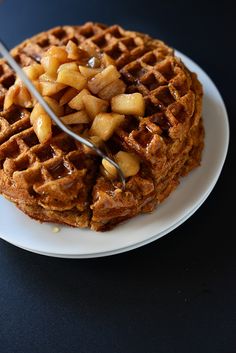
point(57, 181)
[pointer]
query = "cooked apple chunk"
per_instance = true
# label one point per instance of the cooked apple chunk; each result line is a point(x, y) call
point(113, 89)
point(88, 72)
point(72, 50)
point(46, 78)
point(69, 94)
point(43, 128)
point(68, 66)
point(94, 105)
point(55, 106)
point(72, 78)
point(50, 88)
point(104, 78)
point(110, 169)
point(128, 162)
point(128, 104)
point(38, 109)
point(97, 141)
point(23, 98)
point(77, 102)
point(58, 52)
point(10, 95)
point(50, 65)
point(105, 124)
point(76, 118)
point(33, 71)
point(36, 84)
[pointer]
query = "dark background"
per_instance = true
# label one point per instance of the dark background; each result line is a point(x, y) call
point(175, 295)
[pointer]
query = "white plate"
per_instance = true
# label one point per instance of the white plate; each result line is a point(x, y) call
point(18, 229)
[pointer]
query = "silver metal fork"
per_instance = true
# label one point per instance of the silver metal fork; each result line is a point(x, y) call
point(11, 61)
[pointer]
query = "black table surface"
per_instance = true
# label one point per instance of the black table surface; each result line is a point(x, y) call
point(175, 295)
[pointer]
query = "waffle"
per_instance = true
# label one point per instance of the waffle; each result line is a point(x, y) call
point(57, 181)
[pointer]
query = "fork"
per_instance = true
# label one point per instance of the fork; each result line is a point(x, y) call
point(11, 61)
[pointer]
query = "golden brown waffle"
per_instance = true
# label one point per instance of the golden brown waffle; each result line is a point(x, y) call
point(57, 181)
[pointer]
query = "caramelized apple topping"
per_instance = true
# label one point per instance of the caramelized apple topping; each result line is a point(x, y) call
point(81, 87)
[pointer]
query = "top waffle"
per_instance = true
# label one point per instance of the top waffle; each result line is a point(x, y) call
point(61, 181)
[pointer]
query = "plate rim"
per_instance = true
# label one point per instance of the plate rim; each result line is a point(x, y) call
point(119, 250)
